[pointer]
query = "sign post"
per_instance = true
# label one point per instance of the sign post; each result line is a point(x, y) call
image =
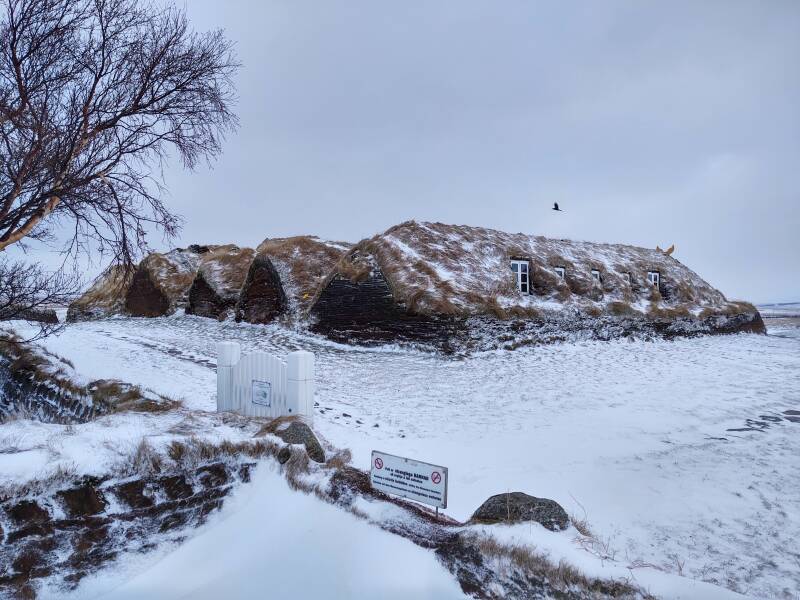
point(409, 478)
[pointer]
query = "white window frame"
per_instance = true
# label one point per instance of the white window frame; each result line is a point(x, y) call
point(596, 275)
point(654, 277)
point(561, 272)
point(522, 275)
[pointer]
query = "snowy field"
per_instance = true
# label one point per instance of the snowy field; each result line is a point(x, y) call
point(681, 454)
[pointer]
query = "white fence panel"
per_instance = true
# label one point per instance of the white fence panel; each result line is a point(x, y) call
point(262, 385)
point(259, 386)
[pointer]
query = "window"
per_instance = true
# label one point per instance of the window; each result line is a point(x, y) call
point(561, 272)
point(596, 275)
point(626, 277)
point(654, 277)
point(521, 269)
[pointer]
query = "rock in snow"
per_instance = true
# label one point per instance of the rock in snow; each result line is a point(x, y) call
point(300, 433)
point(516, 507)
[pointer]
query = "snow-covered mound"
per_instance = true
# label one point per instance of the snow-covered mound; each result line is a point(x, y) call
point(303, 262)
point(162, 281)
point(450, 269)
point(220, 275)
point(105, 297)
point(428, 282)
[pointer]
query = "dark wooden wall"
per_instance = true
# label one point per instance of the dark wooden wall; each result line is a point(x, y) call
point(262, 298)
point(144, 299)
point(366, 311)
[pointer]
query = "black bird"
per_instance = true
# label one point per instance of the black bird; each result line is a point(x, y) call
point(555, 207)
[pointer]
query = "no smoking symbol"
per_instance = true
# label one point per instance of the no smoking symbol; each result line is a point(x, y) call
point(436, 477)
point(378, 463)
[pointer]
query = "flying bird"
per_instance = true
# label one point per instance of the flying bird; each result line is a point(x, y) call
point(555, 207)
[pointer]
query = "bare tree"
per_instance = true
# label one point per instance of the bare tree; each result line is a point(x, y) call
point(28, 293)
point(94, 96)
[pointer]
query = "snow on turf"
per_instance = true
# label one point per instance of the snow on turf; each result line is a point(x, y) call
point(268, 541)
point(635, 435)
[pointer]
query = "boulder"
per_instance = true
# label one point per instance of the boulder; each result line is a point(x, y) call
point(516, 507)
point(284, 454)
point(262, 298)
point(161, 282)
point(300, 433)
point(105, 297)
point(216, 288)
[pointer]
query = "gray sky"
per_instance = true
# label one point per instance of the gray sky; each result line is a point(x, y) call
point(650, 123)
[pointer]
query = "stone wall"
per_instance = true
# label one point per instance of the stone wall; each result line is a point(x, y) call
point(72, 530)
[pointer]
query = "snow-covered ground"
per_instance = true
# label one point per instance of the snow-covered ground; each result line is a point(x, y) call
point(678, 453)
point(271, 542)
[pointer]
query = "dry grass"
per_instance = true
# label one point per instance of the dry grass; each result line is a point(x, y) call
point(145, 461)
point(620, 309)
point(275, 424)
point(730, 309)
point(193, 451)
point(668, 312)
point(105, 296)
point(581, 524)
point(121, 397)
point(33, 363)
point(295, 470)
point(594, 311)
point(27, 361)
point(563, 577)
point(340, 459)
point(225, 269)
point(523, 312)
point(61, 475)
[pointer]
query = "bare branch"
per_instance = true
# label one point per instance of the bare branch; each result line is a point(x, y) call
point(94, 96)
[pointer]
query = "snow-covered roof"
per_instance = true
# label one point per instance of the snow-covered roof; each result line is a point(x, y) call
point(303, 262)
point(225, 268)
point(172, 272)
point(456, 269)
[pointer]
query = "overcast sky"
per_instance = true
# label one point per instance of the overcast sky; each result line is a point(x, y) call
point(648, 122)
